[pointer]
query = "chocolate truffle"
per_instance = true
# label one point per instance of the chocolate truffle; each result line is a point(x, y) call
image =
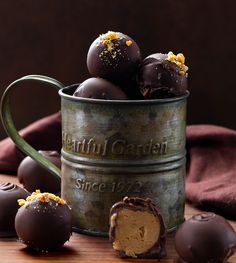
point(204, 238)
point(98, 88)
point(33, 176)
point(113, 56)
point(137, 229)
point(9, 194)
point(43, 222)
point(131, 89)
point(163, 76)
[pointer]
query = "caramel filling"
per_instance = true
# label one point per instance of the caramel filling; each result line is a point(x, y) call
point(135, 231)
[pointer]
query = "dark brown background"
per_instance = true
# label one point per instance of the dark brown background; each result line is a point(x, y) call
point(51, 37)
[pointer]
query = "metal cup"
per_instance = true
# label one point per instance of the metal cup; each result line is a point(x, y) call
point(112, 149)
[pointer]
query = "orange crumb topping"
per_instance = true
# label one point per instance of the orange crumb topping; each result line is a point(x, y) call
point(42, 197)
point(109, 36)
point(128, 43)
point(179, 60)
point(107, 40)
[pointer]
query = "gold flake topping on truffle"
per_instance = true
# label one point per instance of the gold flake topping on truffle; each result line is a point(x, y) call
point(128, 43)
point(110, 35)
point(42, 197)
point(179, 60)
point(110, 46)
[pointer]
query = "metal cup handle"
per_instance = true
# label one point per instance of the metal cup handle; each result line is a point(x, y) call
point(11, 130)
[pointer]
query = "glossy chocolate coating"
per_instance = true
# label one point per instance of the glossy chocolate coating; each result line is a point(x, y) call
point(115, 59)
point(98, 88)
point(160, 78)
point(9, 194)
point(142, 205)
point(43, 226)
point(131, 89)
point(33, 176)
point(205, 237)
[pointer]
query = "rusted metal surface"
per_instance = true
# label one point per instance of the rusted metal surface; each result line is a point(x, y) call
point(113, 149)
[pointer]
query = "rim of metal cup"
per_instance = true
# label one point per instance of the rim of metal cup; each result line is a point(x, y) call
point(67, 92)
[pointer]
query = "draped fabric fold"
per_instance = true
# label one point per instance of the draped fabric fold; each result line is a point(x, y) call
point(211, 168)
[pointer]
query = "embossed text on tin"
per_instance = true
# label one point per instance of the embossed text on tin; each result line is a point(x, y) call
point(113, 187)
point(89, 146)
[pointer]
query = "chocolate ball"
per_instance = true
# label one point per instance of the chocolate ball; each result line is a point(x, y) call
point(98, 88)
point(204, 238)
point(43, 221)
point(137, 229)
point(9, 194)
point(163, 76)
point(33, 176)
point(131, 89)
point(113, 56)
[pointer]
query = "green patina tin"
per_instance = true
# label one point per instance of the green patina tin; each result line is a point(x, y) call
point(113, 149)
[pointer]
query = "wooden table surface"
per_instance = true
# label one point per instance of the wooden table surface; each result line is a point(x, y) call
point(81, 248)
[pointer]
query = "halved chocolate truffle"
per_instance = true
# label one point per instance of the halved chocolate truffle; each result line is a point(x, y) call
point(43, 221)
point(33, 176)
point(113, 56)
point(9, 194)
point(98, 88)
point(137, 229)
point(204, 238)
point(163, 76)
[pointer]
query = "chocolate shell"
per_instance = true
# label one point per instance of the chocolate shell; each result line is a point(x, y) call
point(204, 238)
point(163, 76)
point(137, 229)
point(9, 194)
point(113, 56)
point(98, 88)
point(33, 176)
point(43, 221)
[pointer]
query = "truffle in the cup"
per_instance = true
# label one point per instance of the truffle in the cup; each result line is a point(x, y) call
point(163, 76)
point(9, 194)
point(33, 176)
point(204, 238)
point(137, 229)
point(131, 89)
point(113, 56)
point(43, 222)
point(98, 88)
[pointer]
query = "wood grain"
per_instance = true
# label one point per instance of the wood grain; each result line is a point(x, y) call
point(81, 248)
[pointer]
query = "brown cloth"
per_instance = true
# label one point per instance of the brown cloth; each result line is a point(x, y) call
point(211, 168)
point(211, 160)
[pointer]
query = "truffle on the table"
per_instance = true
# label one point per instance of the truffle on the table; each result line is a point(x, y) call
point(204, 238)
point(43, 222)
point(33, 176)
point(98, 88)
point(137, 228)
point(9, 194)
point(113, 56)
point(163, 76)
